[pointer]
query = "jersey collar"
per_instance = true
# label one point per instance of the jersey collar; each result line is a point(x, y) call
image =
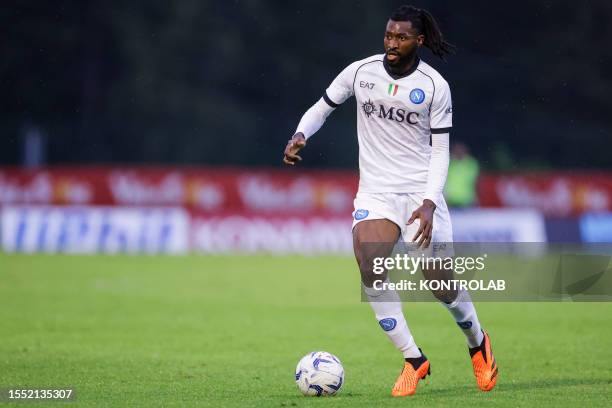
point(413, 68)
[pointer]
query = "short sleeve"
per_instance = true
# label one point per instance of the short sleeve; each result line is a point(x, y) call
point(342, 87)
point(441, 116)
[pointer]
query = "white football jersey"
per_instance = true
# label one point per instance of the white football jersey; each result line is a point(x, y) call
point(395, 118)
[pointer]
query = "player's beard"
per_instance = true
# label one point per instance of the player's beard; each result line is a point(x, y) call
point(402, 62)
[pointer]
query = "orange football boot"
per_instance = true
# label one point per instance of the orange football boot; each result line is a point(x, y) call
point(485, 367)
point(407, 381)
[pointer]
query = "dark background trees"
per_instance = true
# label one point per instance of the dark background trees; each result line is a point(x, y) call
point(225, 82)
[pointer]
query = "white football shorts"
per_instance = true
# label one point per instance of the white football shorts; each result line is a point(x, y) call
point(398, 208)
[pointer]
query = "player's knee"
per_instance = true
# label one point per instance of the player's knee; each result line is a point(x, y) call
point(365, 261)
point(369, 243)
point(445, 293)
point(366, 270)
point(445, 296)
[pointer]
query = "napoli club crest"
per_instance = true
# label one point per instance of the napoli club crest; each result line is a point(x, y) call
point(417, 96)
point(388, 324)
point(360, 214)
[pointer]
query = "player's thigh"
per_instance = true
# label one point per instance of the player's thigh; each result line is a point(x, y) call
point(381, 230)
point(373, 239)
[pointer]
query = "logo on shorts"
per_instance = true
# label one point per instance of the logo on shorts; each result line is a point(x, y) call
point(361, 214)
point(388, 324)
point(417, 96)
point(439, 246)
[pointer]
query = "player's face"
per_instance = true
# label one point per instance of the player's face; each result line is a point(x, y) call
point(401, 41)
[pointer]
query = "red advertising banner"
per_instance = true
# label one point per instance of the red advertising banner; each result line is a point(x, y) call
point(290, 191)
point(555, 194)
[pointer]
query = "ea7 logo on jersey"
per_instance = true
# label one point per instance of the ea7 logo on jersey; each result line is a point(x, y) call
point(364, 84)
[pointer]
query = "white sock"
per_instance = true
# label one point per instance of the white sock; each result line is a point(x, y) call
point(464, 313)
point(388, 310)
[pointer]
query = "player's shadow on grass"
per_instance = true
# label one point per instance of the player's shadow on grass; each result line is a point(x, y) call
point(521, 385)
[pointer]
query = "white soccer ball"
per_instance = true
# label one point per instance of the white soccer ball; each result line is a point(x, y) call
point(319, 373)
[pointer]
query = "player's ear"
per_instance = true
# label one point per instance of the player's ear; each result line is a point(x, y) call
point(420, 39)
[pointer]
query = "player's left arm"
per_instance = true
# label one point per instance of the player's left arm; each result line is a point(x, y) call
point(338, 91)
point(310, 123)
point(441, 122)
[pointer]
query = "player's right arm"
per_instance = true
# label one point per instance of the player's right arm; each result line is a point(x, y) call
point(339, 91)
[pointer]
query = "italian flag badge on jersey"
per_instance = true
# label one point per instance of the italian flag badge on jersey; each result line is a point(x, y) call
point(392, 89)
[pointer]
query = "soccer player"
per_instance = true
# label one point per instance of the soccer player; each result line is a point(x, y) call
point(403, 105)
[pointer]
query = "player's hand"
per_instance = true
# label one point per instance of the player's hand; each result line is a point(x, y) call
point(425, 214)
point(294, 145)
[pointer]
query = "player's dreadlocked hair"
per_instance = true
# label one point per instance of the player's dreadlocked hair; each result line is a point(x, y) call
point(423, 21)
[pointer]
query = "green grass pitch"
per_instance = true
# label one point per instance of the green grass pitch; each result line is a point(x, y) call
point(229, 330)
